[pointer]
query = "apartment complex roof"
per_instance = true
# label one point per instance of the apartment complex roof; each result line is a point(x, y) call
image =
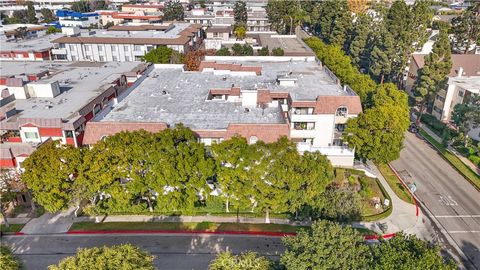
point(178, 35)
point(173, 96)
point(469, 62)
point(291, 45)
point(80, 84)
point(38, 44)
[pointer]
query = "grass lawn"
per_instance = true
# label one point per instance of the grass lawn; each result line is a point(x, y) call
point(394, 183)
point(454, 160)
point(187, 226)
point(191, 226)
point(13, 228)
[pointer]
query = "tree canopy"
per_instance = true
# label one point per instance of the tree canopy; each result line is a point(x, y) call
point(173, 11)
point(466, 29)
point(31, 14)
point(240, 12)
point(159, 55)
point(326, 246)
point(121, 257)
point(7, 260)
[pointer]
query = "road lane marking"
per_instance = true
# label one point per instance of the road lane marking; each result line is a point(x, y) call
point(447, 200)
point(459, 216)
point(463, 231)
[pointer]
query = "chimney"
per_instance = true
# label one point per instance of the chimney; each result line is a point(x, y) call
point(460, 72)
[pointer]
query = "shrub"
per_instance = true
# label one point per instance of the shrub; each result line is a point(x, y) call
point(278, 52)
point(237, 49)
point(223, 52)
point(263, 51)
point(475, 159)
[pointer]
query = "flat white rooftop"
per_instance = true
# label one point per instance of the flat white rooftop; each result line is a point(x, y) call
point(185, 97)
point(80, 83)
point(32, 44)
point(174, 32)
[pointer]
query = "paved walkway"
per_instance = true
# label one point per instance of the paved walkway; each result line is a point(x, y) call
point(50, 223)
point(465, 160)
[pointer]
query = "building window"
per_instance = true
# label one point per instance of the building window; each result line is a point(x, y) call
point(87, 48)
point(72, 47)
point(126, 48)
point(460, 93)
point(127, 58)
point(304, 125)
point(342, 111)
point(442, 99)
point(253, 139)
point(101, 58)
point(68, 133)
point(100, 48)
point(339, 127)
point(138, 48)
point(114, 48)
point(97, 109)
point(303, 110)
point(61, 45)
point(114, 58)
point(31, 135)
point(436, 109)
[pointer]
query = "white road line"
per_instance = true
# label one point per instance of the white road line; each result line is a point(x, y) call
point(463, 231)
point(459, 216)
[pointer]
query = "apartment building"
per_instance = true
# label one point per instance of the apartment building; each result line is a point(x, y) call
point(126, 43)
point(263, 100)
point(68, 18)
point(35, 47)
point(136, 17)
point(53, 101)
point(464, 80)
point(143, 7)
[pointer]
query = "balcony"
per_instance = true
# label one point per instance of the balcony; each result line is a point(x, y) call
point(327, 150)
point(59, 51)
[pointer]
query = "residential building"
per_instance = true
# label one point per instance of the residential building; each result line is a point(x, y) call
point(125, 43)
point(258, 99)
point(68, 18)
point(53, 101)
point(143, 7)
point(10, 31)
point(200, 16)
point(257, 20)
point(137, 17)
point(463, 80)
point(34, 48)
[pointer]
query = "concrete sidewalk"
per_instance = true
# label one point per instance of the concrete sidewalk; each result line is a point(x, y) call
point(50, 223)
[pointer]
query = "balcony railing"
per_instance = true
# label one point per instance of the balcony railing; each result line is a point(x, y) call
point(326, 150)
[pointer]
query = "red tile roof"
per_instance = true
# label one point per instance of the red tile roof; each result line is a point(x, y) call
point(469, 62)
point(330, 104)
point(94, 131)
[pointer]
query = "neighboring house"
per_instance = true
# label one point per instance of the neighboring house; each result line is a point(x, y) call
point(53, 101)
point(464, 80)
point(126, 43)
point(34, 48)
point(200, 16)
point(137, 17)
point(144, 7)
point(68, 18)
point(262, 100)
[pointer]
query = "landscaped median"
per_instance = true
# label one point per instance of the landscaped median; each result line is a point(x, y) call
point(13, 228)
point(395, 183)
point(191, 227)
point(463, 169)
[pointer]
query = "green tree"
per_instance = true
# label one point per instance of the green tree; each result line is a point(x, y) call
point(237, 49)
point(173, 11)
point(341, 204)
point(281, 14)
point(47, 15)
point(52, 30)
point(223, 52)
point(81, 6)
point(160, 55)
point(18, 16)
point(277, 52)
point(320, 247)
point(9, 181)
point(263, 51)
point(359, 39)
point(467, 115)
point(31, 14)
point(248, 260)
point(7, 260)
point(247, 50)
point(433, 75)
point(119, 257)
point(50, 172)
point(240, 12)
point(407, 252)
point(378, 133)
point(334, 21)
point(466, 29)
point(234, 161)
point(240, 32)
point(380, 64)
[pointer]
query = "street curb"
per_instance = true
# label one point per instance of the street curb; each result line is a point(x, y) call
point(278, 234)
point(406, 187)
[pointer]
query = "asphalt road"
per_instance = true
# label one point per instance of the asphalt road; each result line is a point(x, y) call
point(172, 252)
point(453, 201)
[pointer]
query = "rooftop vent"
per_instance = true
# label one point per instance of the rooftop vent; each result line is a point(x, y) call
point(246, 110)
point(286, 79)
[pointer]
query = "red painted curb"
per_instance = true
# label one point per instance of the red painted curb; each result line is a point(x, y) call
point(375, 237)
point(405, 186)
point(19, 233)
point(182, 232)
